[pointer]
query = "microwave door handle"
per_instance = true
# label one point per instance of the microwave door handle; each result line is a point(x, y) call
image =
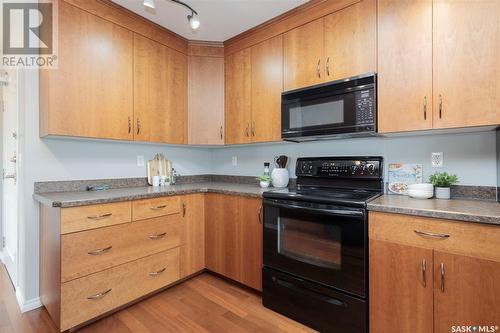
point(338, 212)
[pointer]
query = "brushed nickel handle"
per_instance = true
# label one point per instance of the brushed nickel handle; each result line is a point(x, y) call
point(158, 207)
point(138, 126)
point(425, 108)
point(260, 214)
point(99, 217)
point(440, 106)
point(424, 272)
point(318, 68)
point(431, 234)
point(221, 132)
point(253, 128)
point(100, 251)
point(157, 272)
point(328, 66)
point(99, 295)
point(129, 125)
point(159, 236)
point(183, 209)
point(442, 277)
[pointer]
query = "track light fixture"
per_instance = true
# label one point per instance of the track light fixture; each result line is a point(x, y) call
point(193, 19)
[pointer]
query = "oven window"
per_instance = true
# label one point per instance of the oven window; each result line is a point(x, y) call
point(320, 112)
point(313, 243)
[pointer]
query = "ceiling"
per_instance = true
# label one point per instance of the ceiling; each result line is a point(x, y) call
point(220, 19)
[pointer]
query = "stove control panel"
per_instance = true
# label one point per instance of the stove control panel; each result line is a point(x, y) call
point(340, 167)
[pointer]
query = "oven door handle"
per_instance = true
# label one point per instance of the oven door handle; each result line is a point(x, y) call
point(337, 212)
point(310, 293)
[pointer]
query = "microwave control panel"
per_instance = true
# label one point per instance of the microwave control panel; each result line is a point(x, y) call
point(365, 107)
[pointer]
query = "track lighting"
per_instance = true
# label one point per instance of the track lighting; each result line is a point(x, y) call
point(149, 3)
point(193, 19)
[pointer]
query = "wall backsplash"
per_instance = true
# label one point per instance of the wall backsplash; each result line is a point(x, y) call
point(472, 156)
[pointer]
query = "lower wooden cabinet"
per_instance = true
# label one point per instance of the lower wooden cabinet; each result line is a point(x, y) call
point(430, 275)
point(193, 234)
point(233, 245)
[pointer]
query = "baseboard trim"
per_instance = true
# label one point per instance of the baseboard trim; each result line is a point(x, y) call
point(27, 305)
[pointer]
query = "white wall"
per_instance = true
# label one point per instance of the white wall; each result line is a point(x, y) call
point(472, 156)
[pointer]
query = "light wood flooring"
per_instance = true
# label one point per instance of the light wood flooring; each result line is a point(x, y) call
point(204, 303)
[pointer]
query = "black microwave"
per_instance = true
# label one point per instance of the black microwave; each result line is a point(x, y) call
point(342, 108)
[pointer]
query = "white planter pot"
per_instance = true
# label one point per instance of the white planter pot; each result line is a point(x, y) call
point(264, 184)
point(280, 177)
point(442, 192)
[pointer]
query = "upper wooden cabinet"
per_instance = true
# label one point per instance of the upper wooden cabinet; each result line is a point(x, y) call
point(206, 97)
point(90, 93)
point(438, 64)
point(160, 92)
point(466, 58)
point(340, 45)
point(404, 65)
point(238, 95)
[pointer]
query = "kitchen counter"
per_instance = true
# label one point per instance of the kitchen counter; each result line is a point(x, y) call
point(462, 210)
point(83, 198)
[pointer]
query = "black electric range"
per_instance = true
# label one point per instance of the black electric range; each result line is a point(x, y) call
point(316, 243)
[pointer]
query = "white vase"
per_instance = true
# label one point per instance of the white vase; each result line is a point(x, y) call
point(442, 192)
point(280, 177)
point(264, 183)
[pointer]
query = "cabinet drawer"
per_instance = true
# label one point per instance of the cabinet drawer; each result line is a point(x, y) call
point(87, 252)
point(87, 297)
point(469, 238)
point(90, 217)
point(145, 209)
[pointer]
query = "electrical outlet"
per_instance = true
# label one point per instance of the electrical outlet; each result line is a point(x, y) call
point(437, 160)
point(140, 160)
point(234, 161)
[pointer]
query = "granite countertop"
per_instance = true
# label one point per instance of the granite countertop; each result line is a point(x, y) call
point(462, 210)
point(73, 199)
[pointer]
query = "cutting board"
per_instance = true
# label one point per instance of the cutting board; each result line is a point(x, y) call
point(159, 166)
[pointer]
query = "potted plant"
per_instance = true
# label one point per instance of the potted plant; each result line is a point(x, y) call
point(442, 182)
point(264, 180)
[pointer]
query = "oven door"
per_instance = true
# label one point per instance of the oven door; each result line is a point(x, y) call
point(322, 243)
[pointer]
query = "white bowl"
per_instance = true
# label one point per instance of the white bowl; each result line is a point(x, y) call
point(421, 187)
point(418, 194)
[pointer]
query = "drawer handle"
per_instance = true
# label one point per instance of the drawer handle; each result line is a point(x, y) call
point(99, 217)
point(159, 236)
point(157, 272)
point(158, 207)
point(431, 234)
point(99, 295)
point(100, 251)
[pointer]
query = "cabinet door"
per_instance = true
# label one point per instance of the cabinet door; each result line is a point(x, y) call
point(267, 85)
point(206, 100)
point(404, 65)
point(466, 292)
point(400, 288)
point(90, 93)
point(251, 242)
point(193, 234)
point(238, 94)
point(351, 41)
point(176, 117)
point(303, 51)
point(466, 63)
point(222, 245)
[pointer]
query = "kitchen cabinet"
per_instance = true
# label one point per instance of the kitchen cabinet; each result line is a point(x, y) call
point(238, 95)
point(404, 65)
point(160, 92)
point(267, 85)
point(351, 41)
point(233, 245)
point(193, 234)
point(340, 45)
point(90, 93)
point(466, 53)
point(427, 275)
point(442, 74)
point(206, 100)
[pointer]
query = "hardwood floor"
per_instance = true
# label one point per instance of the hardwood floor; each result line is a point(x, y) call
point(204, 303)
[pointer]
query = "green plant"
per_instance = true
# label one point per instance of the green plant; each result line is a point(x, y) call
point(443, 179)
point(264, 178)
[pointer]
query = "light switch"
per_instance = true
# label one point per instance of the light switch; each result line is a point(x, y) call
point(140, 160)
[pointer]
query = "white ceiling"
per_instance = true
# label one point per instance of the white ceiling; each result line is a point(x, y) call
point(220, 19)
